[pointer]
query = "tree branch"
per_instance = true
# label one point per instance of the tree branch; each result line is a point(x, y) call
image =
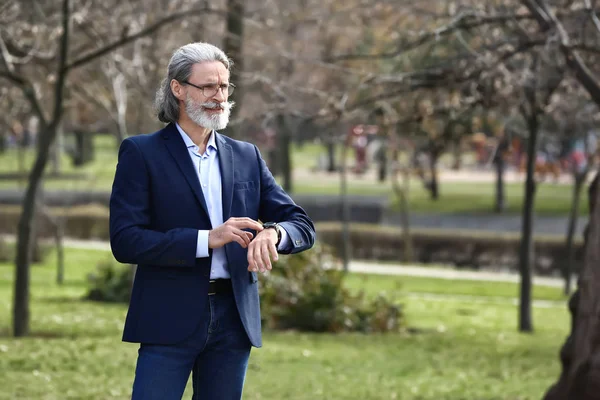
point(16, 79)
point(464, 21)
point(574, 60)
point(62, 62)
point(590, 9)
point(539, 13)
point(144, 32)
point(586, 48)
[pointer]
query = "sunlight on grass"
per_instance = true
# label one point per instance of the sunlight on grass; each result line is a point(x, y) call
point(455, 349)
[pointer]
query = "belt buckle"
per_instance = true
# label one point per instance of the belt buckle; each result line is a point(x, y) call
point(209, 282)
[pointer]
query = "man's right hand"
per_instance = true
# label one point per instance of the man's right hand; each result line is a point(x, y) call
point(231, 231)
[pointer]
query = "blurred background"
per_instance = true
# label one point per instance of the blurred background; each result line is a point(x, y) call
point(444, 149)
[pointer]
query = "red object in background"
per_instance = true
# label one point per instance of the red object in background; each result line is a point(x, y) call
point(357, 138)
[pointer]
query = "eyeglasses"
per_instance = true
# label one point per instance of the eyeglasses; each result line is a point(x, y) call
point(211, 90)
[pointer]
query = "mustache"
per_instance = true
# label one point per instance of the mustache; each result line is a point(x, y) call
point(225, 105)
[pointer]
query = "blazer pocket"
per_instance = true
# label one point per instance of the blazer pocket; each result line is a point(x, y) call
point(243, 185)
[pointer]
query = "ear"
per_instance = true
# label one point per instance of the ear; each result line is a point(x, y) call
point(177, 89)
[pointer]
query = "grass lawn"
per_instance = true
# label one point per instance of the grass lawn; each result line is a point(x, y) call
point(457, 349)
point(472, 198)
point(460, 197)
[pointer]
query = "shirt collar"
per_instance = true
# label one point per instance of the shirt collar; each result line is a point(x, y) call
point(189, 143)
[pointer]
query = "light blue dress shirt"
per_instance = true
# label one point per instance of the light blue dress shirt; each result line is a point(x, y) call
point(209, 175)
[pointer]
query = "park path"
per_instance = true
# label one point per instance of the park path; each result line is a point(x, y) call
point(446, 273)
point(368, 267)
point(372, 267)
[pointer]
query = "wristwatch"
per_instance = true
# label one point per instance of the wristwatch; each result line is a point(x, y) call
point(274, 225)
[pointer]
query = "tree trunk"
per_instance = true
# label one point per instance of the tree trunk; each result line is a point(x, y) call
point(233, 48)
point(120, 135)
point(345, 208)
point(580, 375)
point(526, 250)
point(401, 192)
point(382, 163)
point(59, 234)
point(25, 236)
point(273, 160)
point(500, 196)
point(331, 167)
point(285, 152)
point(45, 140)
point(457, 153)
point(572, 228)
point(57, 148)
point(120, 92)
point(433, 184)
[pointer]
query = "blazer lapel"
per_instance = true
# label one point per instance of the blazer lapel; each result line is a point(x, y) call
point(179, 152)
point(226, 165)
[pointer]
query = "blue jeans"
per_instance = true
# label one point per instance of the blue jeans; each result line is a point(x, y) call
point(216, 355)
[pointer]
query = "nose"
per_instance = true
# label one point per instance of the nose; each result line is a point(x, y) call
point(220, 96)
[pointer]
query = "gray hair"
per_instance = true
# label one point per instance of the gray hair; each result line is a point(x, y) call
point(180, 69)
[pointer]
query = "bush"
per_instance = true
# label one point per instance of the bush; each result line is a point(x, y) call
point(8, 252)
point(81, 222)
point(306, 292)
point(303, 292)
point(462, 248)
point(111, 283)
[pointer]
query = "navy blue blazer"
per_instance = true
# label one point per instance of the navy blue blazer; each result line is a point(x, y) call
point(156, 210)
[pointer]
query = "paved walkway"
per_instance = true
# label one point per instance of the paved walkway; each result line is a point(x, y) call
point(447, 273)
point(377, 268)
point(469, 174)
point(542, 225)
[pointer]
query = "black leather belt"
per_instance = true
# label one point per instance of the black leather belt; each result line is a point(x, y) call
point(216, 286)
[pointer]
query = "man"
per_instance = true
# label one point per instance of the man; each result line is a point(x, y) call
point(185, 207)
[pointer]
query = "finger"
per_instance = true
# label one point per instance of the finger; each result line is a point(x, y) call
point(243, 235)
point(248, 223)
point(249, 235)
point(265, 256)
point(258, 257)
point(234, 237)
point(273, 251)
point(251, 263)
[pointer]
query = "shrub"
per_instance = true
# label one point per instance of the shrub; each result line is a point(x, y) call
point(8, 252)
point(306, 292)
point(303, 292)
point(111, 282)
point(462, 248)
point(81, 222)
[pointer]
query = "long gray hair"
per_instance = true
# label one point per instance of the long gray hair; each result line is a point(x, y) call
point(180, 69)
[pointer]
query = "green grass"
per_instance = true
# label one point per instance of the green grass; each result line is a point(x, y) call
point(472, 198)
point(457, 349)
point(373, 284)
point(460, 197)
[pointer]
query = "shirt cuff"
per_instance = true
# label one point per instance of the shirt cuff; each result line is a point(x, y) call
point(202, 244)
point(285, 239)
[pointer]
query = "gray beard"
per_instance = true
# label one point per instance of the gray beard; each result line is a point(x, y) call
point(202, 118)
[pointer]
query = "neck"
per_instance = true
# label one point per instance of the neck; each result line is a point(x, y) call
point(197, 133)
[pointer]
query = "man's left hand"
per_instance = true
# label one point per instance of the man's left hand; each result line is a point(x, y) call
point(261, 249)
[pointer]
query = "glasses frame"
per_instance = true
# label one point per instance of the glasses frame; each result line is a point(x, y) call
point(226, 91)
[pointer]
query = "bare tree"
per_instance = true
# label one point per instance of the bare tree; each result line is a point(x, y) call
point(50, 122)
